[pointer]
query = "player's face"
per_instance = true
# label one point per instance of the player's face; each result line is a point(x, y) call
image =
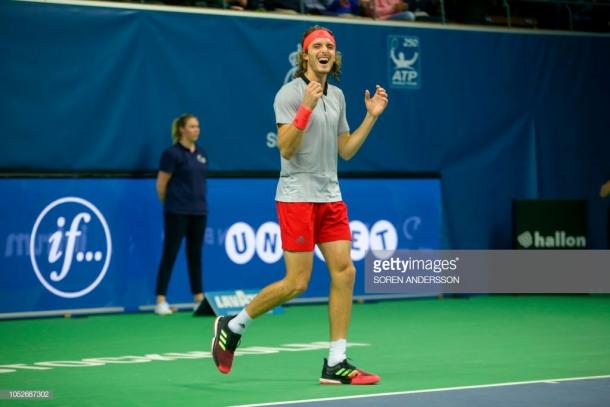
point(321, 55)
point(190, 131)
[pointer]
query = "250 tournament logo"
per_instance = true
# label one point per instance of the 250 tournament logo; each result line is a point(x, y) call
point(80, 247)
point(404, 62)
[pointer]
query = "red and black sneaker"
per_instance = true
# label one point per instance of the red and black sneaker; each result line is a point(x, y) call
point(224, 344)
point(346, 373)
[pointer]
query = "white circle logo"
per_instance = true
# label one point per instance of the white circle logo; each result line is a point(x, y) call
point(269, 242)
point(383, 238)
point(79, 247)
point(240, 243)
point(360, 240)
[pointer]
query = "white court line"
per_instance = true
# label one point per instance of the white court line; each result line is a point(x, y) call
point(481, 386)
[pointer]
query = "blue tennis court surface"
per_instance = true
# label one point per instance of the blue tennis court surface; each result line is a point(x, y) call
point(572, 392)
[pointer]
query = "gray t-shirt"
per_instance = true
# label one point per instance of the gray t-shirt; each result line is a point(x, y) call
point(311, 174)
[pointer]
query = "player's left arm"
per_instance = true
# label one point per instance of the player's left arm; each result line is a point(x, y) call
point(349, 144)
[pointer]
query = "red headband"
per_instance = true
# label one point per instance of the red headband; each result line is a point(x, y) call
point(314, 35)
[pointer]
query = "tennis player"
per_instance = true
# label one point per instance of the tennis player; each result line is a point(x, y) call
point(312, 131)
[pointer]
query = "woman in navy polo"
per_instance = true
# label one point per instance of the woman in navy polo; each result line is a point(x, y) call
point(181, 186)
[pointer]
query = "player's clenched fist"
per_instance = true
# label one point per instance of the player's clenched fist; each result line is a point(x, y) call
point(313, 93)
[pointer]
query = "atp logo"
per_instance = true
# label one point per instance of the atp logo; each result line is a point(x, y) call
point(79, 247)
point(404, 62)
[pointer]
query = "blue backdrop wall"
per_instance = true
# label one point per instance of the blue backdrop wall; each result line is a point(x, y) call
point(96, 243)
point(500, 115)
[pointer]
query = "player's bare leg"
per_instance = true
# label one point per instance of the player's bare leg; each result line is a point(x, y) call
point(337, 369)
point(342, 275)
point(298, 273)
point(227, 330)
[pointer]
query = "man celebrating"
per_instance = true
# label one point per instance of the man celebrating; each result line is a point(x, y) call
point(312, 131)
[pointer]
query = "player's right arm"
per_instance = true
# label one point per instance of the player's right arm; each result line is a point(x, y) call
point(162, 181)
point(290, 135)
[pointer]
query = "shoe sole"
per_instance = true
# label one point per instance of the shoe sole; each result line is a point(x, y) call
point(212, 346)
point(164, 313)
point(331, 381)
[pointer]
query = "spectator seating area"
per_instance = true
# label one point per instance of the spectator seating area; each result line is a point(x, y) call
point(568, 15)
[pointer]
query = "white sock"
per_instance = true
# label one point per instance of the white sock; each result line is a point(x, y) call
point(241, 321)
point(336, 353)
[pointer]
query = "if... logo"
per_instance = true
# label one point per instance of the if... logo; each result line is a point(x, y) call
point(79, 247)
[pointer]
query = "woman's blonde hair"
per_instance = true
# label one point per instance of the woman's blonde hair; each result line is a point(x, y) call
point(179, 123)
point(335, 71)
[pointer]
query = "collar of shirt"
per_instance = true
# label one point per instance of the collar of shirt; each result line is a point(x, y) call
point(307, 83)
point(186, 149)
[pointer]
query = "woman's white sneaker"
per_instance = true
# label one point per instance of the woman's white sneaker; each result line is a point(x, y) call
point(163, 308)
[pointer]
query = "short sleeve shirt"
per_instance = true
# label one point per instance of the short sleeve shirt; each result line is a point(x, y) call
point(311, 174)
point(186, 190)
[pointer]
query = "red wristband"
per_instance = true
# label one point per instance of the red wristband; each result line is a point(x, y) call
point(302, 118)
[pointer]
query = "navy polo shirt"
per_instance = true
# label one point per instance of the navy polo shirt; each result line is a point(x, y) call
point(186, 190)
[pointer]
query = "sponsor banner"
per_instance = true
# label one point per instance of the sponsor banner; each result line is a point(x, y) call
point(91, 257)
point(68, 244)
point(550, 224)
point(488, 271)
point(232, 302)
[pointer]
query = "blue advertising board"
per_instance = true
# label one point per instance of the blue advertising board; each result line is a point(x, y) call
point(96, 243)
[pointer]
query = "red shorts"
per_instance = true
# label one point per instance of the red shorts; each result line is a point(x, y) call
point(303, 224)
